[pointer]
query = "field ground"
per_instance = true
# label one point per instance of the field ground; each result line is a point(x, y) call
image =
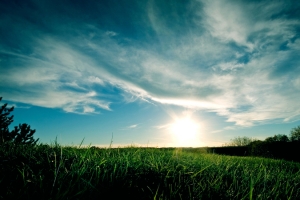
point(56, 172)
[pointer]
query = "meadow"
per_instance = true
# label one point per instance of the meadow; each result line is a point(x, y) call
point(60, 172)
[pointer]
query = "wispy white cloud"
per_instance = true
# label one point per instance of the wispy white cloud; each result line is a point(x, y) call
point(9, 105)
point(164, 126)
point(133, 126)
point(130, 127)
point(96, 80)
point(239, 60)
point(226, 21)
point(58, 77)
point(111, 33)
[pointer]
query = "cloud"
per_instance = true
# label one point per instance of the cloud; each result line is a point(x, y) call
point(226, 21)
point(238, 59)
point(57, 77)
point(165, 126)
point(133, 126)
point(94, 79)
point(110, 33)
point(9, 105)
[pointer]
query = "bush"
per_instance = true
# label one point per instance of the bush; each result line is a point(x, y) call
point(21, 134)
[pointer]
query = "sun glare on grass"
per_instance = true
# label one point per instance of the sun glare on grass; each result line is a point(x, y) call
point(185, 131)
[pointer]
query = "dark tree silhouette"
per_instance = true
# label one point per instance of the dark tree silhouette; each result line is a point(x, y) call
point(5, 121)
point(23, 134)
point(20, 135)
point(295, 134)
point(240, 141)
point(282, 138)
point(277, 138)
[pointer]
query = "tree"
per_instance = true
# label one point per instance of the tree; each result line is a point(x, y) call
point(5, 121)
point(25, 136)
point(20, 135)
point(240, 141)
point(277, 138)
point(282, 138)
point(295, 134)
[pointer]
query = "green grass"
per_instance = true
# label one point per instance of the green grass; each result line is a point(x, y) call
point(56, 172)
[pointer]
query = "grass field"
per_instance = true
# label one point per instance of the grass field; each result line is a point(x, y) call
point(56, 172)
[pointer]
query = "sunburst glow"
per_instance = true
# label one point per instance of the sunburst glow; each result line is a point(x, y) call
point(185, 131)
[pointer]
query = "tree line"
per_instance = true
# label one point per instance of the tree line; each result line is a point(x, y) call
point(244, 141)
point(278, 146)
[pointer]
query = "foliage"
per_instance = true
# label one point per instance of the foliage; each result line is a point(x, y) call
point(278, 146)
point(257, 148)
point(21, 134)
point(295, 134)
point(5, 121)
point(240, 141)
point(56, 172)
point(277, 138)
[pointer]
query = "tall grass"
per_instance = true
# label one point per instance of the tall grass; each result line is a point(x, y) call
point(56, 172)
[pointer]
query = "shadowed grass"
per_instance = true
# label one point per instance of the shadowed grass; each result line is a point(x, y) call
point(56, 172)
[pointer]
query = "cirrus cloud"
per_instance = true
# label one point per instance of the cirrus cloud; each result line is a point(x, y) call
point(238, 59)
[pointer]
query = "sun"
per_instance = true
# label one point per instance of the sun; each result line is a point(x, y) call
point(185, 131)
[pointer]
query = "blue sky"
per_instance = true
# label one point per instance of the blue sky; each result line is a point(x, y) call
point(90, 69)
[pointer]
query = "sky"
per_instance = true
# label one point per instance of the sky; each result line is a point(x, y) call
point(151, 73)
